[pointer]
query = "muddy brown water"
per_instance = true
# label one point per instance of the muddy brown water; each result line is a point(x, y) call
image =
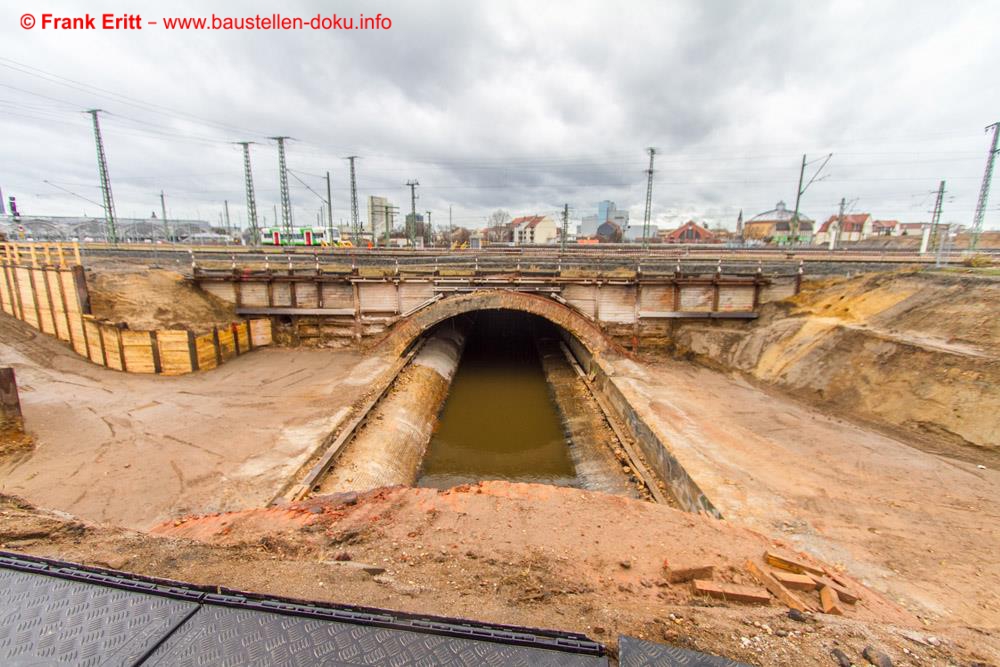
point(499, 421)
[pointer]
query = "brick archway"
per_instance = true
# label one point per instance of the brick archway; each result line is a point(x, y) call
point(406, 330)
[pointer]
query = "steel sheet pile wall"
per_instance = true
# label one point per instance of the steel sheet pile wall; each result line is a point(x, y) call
point(44, 286)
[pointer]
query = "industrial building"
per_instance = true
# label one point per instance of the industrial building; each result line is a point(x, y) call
point(775, 226)
point(73, 228)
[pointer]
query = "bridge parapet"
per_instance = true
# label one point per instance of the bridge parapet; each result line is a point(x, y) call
point(316, 306)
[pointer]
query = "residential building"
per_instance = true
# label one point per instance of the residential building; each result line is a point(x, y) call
point(885, 227)
point(533, 230)
point(775, 226)
point(856, 226)
point(690, 232)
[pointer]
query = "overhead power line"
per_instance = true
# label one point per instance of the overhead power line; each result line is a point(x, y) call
point(152, 107)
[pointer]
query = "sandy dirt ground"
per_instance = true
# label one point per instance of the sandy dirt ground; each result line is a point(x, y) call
point(920, 527)
point(531, 555)
point(133, 450)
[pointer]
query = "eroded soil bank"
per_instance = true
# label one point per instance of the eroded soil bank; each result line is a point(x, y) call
point(152, 298)
point(915, 352)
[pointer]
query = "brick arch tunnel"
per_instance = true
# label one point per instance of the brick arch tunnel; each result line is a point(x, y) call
point(494, 392)
point(408, 329)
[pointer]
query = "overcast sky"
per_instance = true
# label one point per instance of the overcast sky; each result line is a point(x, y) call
point(523, 106)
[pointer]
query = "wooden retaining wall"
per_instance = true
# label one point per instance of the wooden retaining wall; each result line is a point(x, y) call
point(44, 286)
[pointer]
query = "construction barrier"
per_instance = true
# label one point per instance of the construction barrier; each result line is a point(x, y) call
point(43, 285)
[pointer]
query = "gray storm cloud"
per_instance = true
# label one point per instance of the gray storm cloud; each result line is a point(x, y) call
point(516, 105)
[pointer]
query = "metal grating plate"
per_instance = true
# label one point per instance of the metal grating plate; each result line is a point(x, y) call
point(53, 613)
point(46, 620)
point(226, 636)
point(634, 652)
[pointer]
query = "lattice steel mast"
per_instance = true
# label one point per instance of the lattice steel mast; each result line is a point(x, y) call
point(251, 198)
point(936, 217)
point(649, 199)
point(565, 227)
point(984, 191)
point(411, 228)
point(355, 223)
point(286, 199)
point(102, 168)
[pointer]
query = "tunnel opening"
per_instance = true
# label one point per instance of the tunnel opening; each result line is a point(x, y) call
point(491, 394)
point(500, 421)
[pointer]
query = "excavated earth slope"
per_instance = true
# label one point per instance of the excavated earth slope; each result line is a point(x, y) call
point(916, 352)
point(151, 298)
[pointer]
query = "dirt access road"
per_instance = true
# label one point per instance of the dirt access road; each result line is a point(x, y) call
point(922, 528)
point(133, 450)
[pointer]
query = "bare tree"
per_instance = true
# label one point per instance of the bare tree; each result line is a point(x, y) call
point(496, 225)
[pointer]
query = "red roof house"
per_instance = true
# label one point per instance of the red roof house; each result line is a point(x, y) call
point(885, 227)
point(856, 226)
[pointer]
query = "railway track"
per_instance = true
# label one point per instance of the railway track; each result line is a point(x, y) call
point(665, 260)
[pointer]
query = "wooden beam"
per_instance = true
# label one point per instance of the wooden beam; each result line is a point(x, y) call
point(830, 603)
point(749, 594)
point(10, 403)
point(218, 346)
point(776, 588)
point(791, 564)
point(251, 310)
point(675, 575)
point(82, 293)
point(799, 582)
point(192, 351)
point(154, 344)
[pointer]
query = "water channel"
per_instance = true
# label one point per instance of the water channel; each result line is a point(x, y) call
point(499, 420)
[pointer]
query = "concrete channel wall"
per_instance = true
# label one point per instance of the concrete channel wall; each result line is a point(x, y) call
point(591, 442)
point(43, 286)
point(389, 449)
point(654, 448)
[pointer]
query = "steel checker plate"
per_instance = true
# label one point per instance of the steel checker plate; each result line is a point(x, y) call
point(46, 620)
point(634, 652)
point(225, 636)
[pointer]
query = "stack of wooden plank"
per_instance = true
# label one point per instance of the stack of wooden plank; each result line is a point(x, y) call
point(791, 580)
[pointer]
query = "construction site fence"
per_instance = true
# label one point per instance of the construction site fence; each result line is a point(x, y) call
point(48, 291)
